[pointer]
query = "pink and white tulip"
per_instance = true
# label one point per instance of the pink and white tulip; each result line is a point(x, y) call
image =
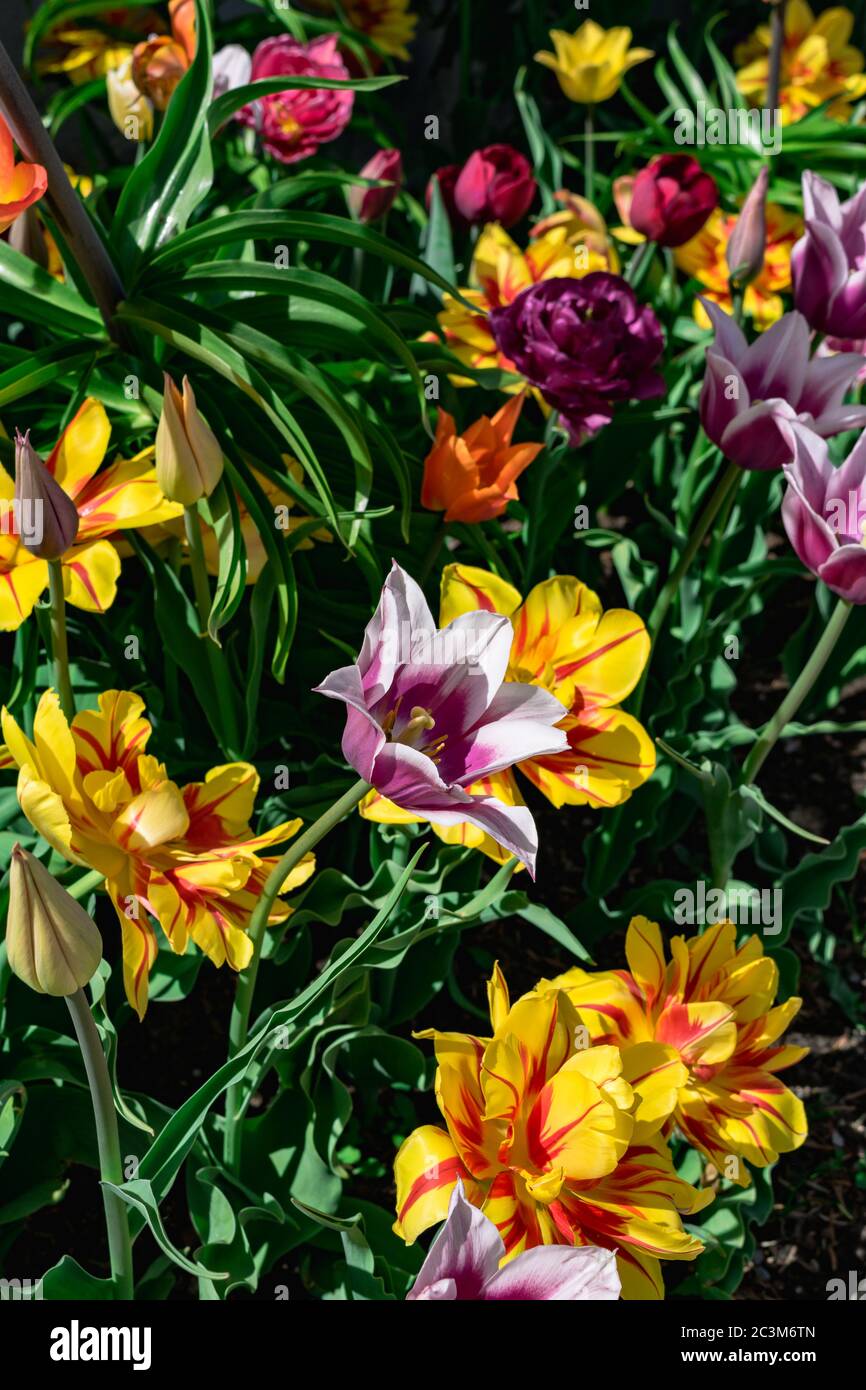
point(824, 511)
point(428, 713)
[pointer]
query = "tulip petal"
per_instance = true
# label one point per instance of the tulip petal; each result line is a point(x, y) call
point(466, 1252)
point(81, 448)
point(90, 575)
point(559, 1274)
point(426, 1169)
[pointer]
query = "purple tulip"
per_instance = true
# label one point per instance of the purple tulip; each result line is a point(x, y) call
point(463, 1263)
point(824, 511)
point(428, 713)
point(585, 344)
point(828, 264)
point(750, 391)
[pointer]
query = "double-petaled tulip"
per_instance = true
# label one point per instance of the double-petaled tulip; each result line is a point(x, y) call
point(751, 391)
point(21, 185)
point(51, 943)
point(591, 63)
point(829, 263)
point(500, 272)
point(464, 1259)
point(428, 714)
point(747, 243)
point(472, 476)
point(590, 661)
point(539, 1131)
point(702, 1035)
point(371, 204)
point(293, 124)
point(586, 345)
point(824, 511)
point(495, 185)
point(123, 496)
point(189, 460)
point(671, 199)
point(184, 857)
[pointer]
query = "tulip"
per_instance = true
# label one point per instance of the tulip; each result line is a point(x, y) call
point(371, 204)
point(232, 68)
point(158, 65)
point(463, 1263)
point(747, 244)
point(671, 199)
point(428, 714)
point(131, 112)
point(294, 123)
point(824, 511)
point(703, 1037)
point(52, 944)
point(750, 391)
point(189, 460)
point(471, 477)
point(48, 517)
point(591, 63)
point(829, 262)
point(21, 184)
point(495, 185)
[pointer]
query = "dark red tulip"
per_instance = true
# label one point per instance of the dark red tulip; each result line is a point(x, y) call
point(672, 199)
point(369, 204)
point(495, 185)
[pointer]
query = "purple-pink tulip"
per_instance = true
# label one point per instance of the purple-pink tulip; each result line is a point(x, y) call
point(429, 713)
point(824, 511)
point(369, 204)
point(746, 246)
point(495, 185)
point(463, 1263)
point(293, 124)
point(750, 391)
point(828, 264)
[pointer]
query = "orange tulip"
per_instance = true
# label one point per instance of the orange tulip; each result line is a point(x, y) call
point(20, 184)
point(472, 476)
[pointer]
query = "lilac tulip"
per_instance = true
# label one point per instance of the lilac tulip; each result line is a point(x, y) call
point(751, 391)
point(428, 713)
point(828, 264)
point(824, 511)
point(463, 1263)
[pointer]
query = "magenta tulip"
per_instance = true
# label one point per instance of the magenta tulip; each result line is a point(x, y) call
point(828, 264)
point(429, 713)
point(495, 185)
point(671, 199)
point(824, 511)
point(370, 204)
point(750, 391)
point(293, 124)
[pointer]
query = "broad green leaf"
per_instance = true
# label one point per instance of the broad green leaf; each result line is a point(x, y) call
point(30, 293)
point(232, 101)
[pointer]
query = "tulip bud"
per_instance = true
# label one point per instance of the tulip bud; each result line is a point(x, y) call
point(747, 242)
point(47, 518)
point(370, 204)
point(189, 460)
point(52, 944)
point(157, 69)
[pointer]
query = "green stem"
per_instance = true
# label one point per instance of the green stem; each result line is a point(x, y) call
point(239, 1026)
point(108, 1141)
point(215, 655)
point(777, 40)
point(639, 264)
point(85, 885)
point(59, 647)
point(432, 552)
point(798, 692)
point(588, 151)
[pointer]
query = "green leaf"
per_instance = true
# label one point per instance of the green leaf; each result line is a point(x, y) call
point(170, 182)
point(220, 510)
point(48, 364)
point(33, 295)
point(67, 1282)
point(231, 101)
point(139, 1194)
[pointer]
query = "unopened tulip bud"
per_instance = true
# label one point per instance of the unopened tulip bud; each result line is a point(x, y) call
point(51, 943)
point(747, 242)
point(47, 517)
point(189, 460)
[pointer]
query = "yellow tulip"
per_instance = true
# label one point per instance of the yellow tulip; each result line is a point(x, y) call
point(591, 62)
point(189, 460)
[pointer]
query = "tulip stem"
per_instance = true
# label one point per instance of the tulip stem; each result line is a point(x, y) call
point(588, 151)
point(108, 1142)
point(798, 692)
point(239, 1026)
point(777, 40)
point(215, 655)
point(639, 264)
point(59, 646)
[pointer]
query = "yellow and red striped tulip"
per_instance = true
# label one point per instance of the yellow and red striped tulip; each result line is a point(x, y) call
point(540, 1132)
point(182, 857)
point(590, 660)
point(702, 1034)
point(118, 498)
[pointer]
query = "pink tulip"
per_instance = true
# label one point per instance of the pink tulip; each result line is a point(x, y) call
point(828, 264)
point(293, 124)
point(429, 713)
point(824, 511)
point(463, 1263)
point(369, 204)
point(495, 185)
